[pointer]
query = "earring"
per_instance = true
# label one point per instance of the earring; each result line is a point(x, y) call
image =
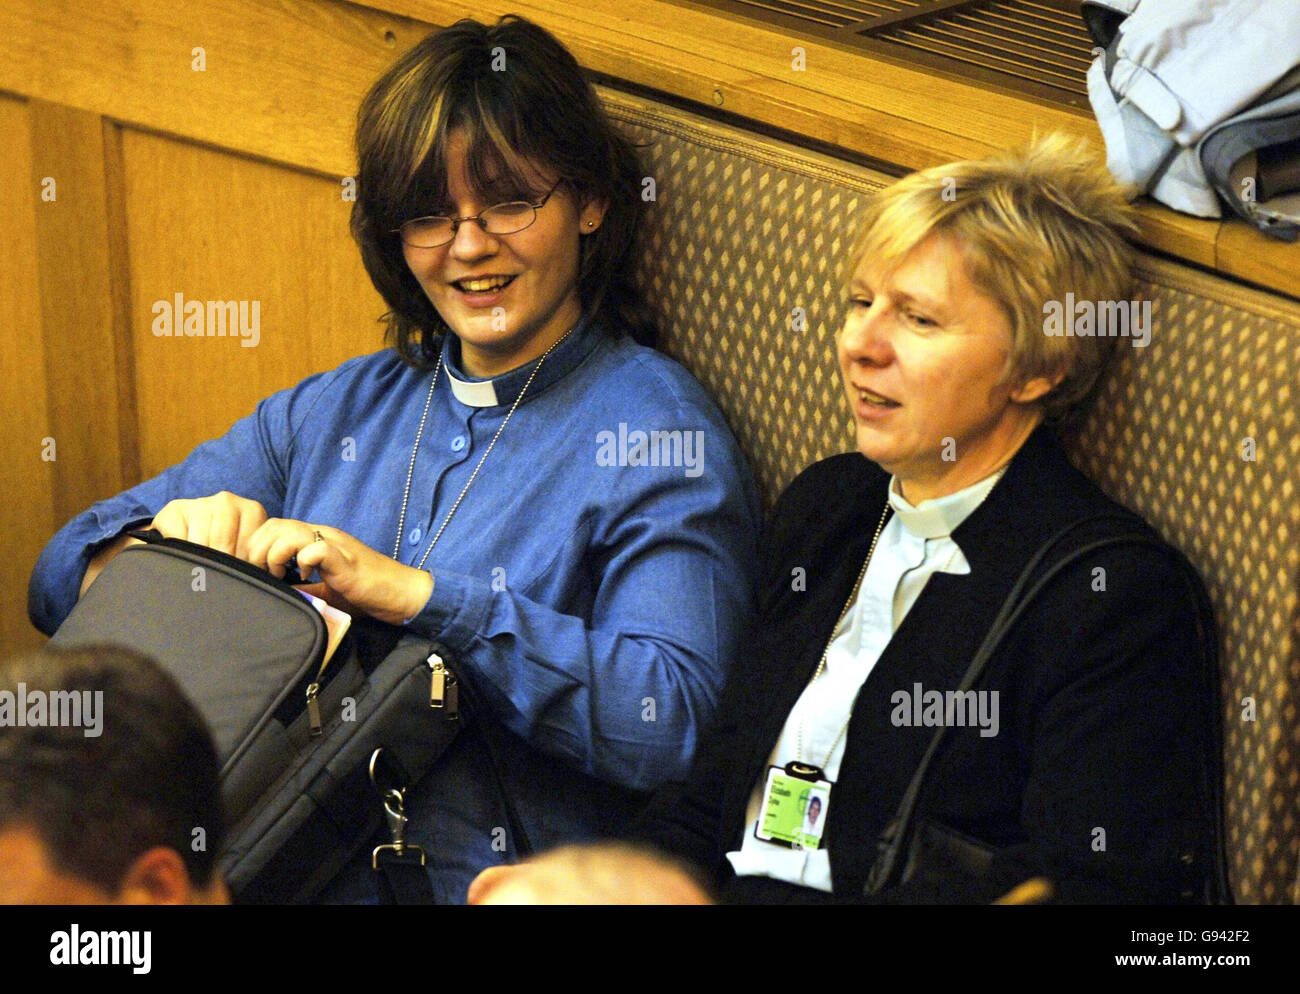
point(591, 224)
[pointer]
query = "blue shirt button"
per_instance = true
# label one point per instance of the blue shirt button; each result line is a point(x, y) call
point(458, 443)
point(415, 535)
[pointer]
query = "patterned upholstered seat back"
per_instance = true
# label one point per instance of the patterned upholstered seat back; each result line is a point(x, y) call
point(747, 239)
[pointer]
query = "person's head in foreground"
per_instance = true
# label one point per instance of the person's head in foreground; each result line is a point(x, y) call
point(609, 873)
point(109, 788)
point(943, 351)
point(496, 200)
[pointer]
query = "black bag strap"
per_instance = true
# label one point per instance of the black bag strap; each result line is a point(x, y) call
point(495, 749)
point(893, 841)
point(401, 877)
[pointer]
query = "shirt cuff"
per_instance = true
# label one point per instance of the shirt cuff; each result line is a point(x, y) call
point(117, 527)
point(55, 585)
point(456, 610)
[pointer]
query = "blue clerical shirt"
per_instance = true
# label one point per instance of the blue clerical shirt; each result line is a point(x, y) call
point(592, 584)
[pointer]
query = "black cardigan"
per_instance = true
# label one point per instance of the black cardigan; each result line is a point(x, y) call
point(1099, 775)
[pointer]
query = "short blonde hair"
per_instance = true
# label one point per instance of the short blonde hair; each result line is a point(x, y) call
point(1033, 224)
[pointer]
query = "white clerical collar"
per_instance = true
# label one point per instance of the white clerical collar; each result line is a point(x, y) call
point(505, 388)
point(472, 393)
point(940, 516)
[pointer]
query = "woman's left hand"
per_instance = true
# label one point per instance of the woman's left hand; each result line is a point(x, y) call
point(355, 577)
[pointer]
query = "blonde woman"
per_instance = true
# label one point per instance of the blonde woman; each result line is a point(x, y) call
point(1081, 759)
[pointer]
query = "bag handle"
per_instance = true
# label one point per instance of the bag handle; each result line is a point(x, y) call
point(891, 845)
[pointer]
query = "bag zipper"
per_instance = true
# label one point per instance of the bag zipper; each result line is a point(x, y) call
point(313, 706)
point(154, 537)
point(443, 690)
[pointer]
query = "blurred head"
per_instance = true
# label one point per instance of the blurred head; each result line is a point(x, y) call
point(472, 117)
point(944, 354)
point(598, 873)
point(111, 795)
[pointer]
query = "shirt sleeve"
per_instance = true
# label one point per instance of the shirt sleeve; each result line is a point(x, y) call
point(686, 817)
point(623, 693)
point(250, 460)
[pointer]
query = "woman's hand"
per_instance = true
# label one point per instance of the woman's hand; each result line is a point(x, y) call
point(224, 521)
point(354, 576)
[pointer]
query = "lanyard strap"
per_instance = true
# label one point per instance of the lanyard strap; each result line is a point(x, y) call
point(410, 472)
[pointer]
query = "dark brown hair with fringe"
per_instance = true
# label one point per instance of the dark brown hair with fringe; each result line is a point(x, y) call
point(523, 103)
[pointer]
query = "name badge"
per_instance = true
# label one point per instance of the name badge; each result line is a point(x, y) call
point(796, 801)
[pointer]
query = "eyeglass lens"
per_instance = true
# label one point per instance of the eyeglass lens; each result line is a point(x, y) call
point(502, 219)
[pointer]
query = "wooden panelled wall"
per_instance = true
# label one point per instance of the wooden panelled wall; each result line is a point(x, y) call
point(221, 181)
point(105, 220)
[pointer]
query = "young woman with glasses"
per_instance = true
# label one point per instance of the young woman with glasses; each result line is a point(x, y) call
point(592, 606)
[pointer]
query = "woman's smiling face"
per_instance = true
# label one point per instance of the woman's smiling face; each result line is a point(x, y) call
point(922, 353)
point(508, 298)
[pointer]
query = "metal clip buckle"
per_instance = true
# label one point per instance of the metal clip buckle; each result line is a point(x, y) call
point(393, 798)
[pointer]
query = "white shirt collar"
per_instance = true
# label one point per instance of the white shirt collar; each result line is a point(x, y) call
point(472, 393)
point(940, 516)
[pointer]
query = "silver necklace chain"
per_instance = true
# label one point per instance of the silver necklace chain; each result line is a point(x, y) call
point(853, 596)
point(410, 472)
